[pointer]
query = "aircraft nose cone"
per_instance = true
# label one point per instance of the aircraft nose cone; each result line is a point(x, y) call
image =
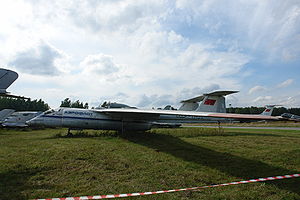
point(28, 123)
point(34, 122)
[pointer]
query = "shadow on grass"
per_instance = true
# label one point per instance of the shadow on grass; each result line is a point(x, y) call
point(15, 183)
point(236, 166)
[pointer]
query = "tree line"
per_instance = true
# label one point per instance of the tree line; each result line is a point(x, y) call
point(19, 104)
point(73, 104)
point(257, 110)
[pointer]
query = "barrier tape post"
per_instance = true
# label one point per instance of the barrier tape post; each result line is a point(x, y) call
point(174, 190)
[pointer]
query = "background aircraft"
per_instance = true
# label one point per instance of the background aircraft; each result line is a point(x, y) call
point(4, 114)
point(18, 119)
point(291, 117)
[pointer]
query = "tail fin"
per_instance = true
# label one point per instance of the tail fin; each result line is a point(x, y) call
point(5, 113)
point(210, 102)
point(269, 109)
point(7, 77)
point(191, 104)
point(214, 102)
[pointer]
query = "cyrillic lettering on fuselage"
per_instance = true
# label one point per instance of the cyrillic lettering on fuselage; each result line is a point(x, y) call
point(79, 113)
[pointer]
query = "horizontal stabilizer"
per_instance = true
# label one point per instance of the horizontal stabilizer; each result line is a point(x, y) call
point(220, 93)
point(200, 98)
point(193, 100)
point(5, 113)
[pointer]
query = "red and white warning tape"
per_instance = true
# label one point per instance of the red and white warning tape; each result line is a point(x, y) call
point(175, 190)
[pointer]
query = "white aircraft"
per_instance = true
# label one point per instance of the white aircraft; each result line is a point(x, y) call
point(123, 119)
point(7, 77)
point(291, 117)
point(4, 114)
point(18, 119)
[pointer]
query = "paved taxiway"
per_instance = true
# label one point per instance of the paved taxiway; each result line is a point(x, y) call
point(246, 127)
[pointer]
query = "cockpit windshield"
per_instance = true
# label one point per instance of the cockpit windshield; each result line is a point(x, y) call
point(49, 111)
point(52, 111)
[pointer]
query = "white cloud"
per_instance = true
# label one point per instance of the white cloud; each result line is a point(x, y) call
point(267, 27)
point(191, 92)
point(154, 100)
point(163, 49)
point(99, 64)
point(103, 16)
point(38, 60)
point(257, 88)
point(262, 100)
point(291, 101)
point(285, 83)
point(284, 100)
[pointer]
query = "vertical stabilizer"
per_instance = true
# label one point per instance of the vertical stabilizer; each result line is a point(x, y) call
point(5, 113)
point(191, 104)
point(214, 102)
point(210, 102)
point(269, 109)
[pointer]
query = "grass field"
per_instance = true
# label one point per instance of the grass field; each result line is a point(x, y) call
point(255, 124)
point(45, 163)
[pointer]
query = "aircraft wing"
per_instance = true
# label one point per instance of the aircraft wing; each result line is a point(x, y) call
point(7, 77)
point(148, 115)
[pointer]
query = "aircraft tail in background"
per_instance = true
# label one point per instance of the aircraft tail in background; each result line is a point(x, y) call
point(269, 109)
point(210, 102)
point(5, 113)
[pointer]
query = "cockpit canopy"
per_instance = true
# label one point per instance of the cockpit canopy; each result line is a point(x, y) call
point(50, 111)
point(114, 105)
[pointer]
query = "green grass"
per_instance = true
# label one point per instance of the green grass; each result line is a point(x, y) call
point(45, 163)
point(255, 124)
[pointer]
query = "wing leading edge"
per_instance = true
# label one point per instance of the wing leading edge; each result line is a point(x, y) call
point(149, 115)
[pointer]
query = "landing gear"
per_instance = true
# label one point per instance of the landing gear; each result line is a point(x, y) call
point(219, 126)
point(122, 128)
point(69, 133)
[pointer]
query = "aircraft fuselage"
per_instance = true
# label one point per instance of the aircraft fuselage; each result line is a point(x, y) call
point(85, 119)
point(76, 118)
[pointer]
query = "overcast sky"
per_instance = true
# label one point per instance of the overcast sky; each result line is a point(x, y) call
point(150, 53)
